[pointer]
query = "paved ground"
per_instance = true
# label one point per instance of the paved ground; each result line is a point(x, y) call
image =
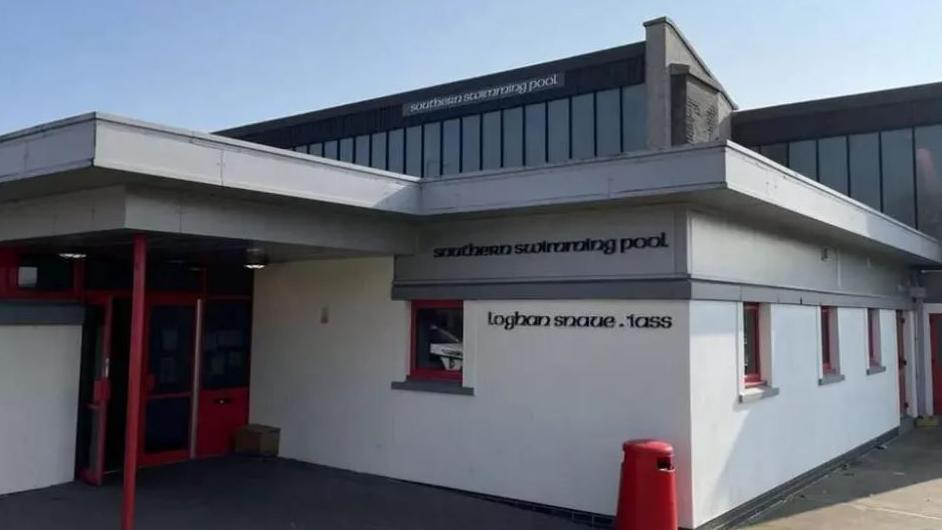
point(266, 494)
point(898, 488)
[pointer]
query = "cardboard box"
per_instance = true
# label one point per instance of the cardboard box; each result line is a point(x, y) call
point(257, 440)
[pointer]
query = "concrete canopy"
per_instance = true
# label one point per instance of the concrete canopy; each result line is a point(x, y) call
point(98, 173)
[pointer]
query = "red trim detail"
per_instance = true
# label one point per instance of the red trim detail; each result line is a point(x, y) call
point(935, 327)
point(164, 457)
point(901, 357)
point(429, 373)
point(754, 378)
point(872, 321)
point(826, 313)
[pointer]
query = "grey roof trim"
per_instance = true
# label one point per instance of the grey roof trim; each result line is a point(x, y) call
point(665, 288)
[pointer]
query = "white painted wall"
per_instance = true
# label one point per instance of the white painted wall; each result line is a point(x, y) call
point(743, 450)
point(550, 411)
point(39, 378)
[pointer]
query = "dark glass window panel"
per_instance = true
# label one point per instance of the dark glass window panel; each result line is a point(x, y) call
point(634, 103)
point(316, 149)
point(170, 348)
point(929, 179)
point(110, 274)
point(471, 143)
point(558, 130)
point(896, 149)
point(301, 149)
point(174, 277)
point(362, 150)
point(751, 339)
point(491, 140)
point(803, 158)
point(583, 126)
point(776, 152)
point(435, 328)
point(832, 162)
point(229, 280)
point(346, 150)
point(451, 147)
point(226, 344)
point(534, 118)
point(397, 149)
point(45, 272)
point(414, 151)
point(608, 122)
point(513, 137)
point(331, 150)
point(378, 151)
point(167, 424)
point(433, 149)
point(864, 154)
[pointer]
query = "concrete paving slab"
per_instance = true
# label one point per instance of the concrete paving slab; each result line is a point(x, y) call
point(898, 487)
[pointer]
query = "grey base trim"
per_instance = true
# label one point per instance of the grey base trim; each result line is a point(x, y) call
point(438, 387)
point(876, 370)
point(639, 289)
point(830, 379)
point(41, 313)
point(756, 393)
point(756, 506)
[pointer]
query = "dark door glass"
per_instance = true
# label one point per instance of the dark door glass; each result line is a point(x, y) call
point(226, 342)
point(171, 348)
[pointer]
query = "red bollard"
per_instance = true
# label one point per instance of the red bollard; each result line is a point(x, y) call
point(647, 496)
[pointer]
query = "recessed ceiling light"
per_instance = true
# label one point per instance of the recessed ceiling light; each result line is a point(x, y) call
point(255, 258)
point(72, 255)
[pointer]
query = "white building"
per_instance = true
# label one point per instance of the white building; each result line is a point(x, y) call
point(491, 286)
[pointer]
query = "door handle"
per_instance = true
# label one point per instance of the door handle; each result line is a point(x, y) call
point(223, 401)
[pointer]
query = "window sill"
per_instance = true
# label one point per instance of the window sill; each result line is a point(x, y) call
point(757, 392)
point(876, 369)
point(830, 379)
point(436, 387)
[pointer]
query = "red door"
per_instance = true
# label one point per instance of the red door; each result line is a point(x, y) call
point(935, 327)
point(170, 349)
point(95, 388)
point(223, 374)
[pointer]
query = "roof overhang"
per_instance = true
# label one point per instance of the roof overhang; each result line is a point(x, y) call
point(97, 172)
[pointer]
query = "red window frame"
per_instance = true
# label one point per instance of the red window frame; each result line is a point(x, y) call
point(826, 360)
point(10, 261)
point(873, 318)
point(753, 377)
point(429, 374)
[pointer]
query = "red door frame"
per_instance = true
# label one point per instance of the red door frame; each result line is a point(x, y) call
point(901, 360)
point(170, 299)
point(101, 393)
point(935, 321)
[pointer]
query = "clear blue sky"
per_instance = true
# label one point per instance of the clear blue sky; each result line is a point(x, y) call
point(210, 64)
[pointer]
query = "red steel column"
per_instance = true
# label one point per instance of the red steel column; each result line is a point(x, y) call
point(135, 381)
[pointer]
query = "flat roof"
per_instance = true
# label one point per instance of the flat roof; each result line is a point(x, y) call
point(223, 177)
point(910, 106)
